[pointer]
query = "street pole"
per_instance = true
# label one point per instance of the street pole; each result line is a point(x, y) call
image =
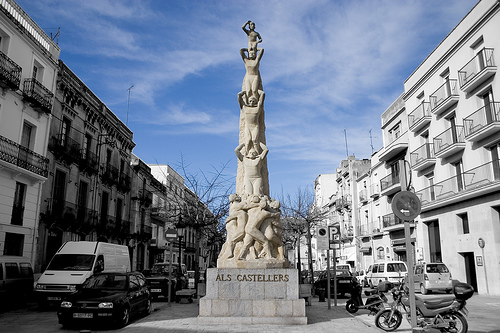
point(328, 276)
point(170, 275)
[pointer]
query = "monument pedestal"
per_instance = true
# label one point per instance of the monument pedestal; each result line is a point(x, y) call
point(252, 296)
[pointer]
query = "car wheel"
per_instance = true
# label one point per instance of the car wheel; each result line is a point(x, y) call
point(423, 291)
point(125, 316)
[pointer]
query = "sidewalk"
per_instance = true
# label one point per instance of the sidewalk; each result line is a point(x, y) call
point(183, 318)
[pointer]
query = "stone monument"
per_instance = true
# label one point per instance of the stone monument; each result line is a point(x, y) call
point(253, 282)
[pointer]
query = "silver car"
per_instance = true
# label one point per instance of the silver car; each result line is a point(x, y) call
point(432, 277)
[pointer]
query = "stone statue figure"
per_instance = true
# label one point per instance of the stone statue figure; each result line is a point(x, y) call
point(253, 36)
point(252, 163)
point(252, 113)
point(254, 231)
point(252, 82)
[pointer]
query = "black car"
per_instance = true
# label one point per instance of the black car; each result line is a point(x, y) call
point(344, 278)
point(158, 279)
point(105, 298)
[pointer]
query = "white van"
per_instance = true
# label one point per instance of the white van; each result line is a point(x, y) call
point(73, 263)
point(392, 271)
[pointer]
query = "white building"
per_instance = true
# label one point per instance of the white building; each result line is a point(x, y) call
point(28, 68)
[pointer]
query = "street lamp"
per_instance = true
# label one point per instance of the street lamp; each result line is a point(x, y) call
point(180, 236)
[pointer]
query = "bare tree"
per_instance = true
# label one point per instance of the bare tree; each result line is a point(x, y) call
point(299, 218)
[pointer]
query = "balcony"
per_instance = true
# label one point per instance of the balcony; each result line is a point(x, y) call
point(10, 73)
point(419, 117)
point(423, 157)
point(444, 97)
point(65, 148)
point(477, 70)
point(110, 175)
point(89, 162)
point(39, 96)
point(87, 220)
point(61, 214)
point(375, 190)
point(19, 157)
point(363, 195)
point(483, 123)
point(392, 223)
point(390, 184)
point(449, 142)
point(396, 146)
point(481, 180)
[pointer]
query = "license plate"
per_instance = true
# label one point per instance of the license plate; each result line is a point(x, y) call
point(53, 298)
point(83, 315)
point(156, 290)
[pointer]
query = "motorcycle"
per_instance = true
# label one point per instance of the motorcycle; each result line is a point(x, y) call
point(374, 302)
point(446, 313)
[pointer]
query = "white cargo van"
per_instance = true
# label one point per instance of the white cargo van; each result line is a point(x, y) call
point(73, 263)
point(392, 271)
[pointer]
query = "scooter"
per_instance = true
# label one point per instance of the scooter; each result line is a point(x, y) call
point(374, 302)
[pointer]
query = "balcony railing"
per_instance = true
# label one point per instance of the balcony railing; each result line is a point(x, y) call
point(88, 162)
point(389, 181)
point(477, 70)
point(445, 96)
point(22, 157)
point(375, 190)
point(363, 195)
point(10, 72)
point(422, 157)
point(38, 95)
point(65, 148)
point(472, 179)
point(391, 220)
point(484, 122)
point(62, 214)
point(449, 142)
point(110, 174)
point(419, 117)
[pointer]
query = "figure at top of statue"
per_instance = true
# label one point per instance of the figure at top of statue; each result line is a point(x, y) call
point(252, 163)
point(252, 83)
point(253, 36)
point(251, 111)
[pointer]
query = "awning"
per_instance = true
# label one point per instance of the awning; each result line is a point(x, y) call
point(365, 249)
point(399, 248)
point(398, 241)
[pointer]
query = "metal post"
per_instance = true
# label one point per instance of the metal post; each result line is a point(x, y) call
point(334, 276)
point(170, 275)
point(328, 277)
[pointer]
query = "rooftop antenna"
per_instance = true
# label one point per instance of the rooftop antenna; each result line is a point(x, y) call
point(346, 150)
point(56, 35)
point(371, 140)
point(128, 102)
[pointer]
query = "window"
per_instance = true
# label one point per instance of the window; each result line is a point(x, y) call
point(459, 174)
point(65, 128)
point(395, 132)
point(11, 270)
point(464, 219)
point(25, 270)
point(26, 135)
point(14, 244)
point(87, 146)
point(489, 107)
point(37, 71)
point(18, 206)
point(381, 268)
point(495, 160)
point(430, 182)
point(380, 254)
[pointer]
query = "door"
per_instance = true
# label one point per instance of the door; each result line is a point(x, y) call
point(418, 276)
point(470, 269)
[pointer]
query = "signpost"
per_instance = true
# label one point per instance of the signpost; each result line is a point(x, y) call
point(170, 236)
point(334, 241)
point(407, 206)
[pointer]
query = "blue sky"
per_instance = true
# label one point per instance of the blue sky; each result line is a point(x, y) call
point(328, 66)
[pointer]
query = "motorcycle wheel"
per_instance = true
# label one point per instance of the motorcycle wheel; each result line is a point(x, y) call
point(386, 322)
point(458, 324)
point(351, 307)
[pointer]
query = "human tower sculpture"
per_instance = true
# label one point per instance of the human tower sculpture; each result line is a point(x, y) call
point(254, 234)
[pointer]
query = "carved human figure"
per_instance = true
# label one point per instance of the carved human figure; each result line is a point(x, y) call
point(252, 82)
point(253, 36)
point(256, 217)
point(272, 229)
point(252, 163)
point(235, 224)
point(252, 111)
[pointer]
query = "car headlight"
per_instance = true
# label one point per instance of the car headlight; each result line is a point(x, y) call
point(105, 305)
point(72, 287)
point(66, 304)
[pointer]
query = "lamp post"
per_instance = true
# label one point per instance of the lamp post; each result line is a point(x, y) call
point(180, 236)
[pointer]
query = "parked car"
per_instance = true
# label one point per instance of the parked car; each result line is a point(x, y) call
point(16, 280)
point(344, 278)
point(112, 297)
point(429, 277)
point(392, 271)
point(159, 276)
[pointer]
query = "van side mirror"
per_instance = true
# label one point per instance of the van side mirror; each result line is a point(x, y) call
point(99, 266)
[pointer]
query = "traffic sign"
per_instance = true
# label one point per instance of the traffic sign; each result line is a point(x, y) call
point(322, 238)
point(170, 234)
point(406, 205)
point(334, 235)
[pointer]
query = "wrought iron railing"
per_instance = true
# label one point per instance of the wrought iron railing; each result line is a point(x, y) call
point(481, 61)
point(16, 154)
point(475, 178)
point(486, 115)
point(390, 220)
point(10, 72)
point(36, 93)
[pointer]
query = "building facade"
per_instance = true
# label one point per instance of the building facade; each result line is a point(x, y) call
point(28, 68)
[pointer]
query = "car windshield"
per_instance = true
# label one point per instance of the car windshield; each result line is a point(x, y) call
point(71, 262)
point(163, 269)
point(436, 268)
point(105, 281)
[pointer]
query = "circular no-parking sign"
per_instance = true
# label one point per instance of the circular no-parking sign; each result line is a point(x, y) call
point(406, 205)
